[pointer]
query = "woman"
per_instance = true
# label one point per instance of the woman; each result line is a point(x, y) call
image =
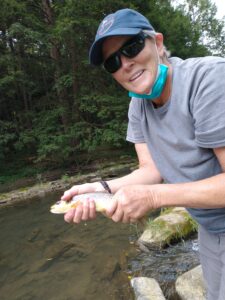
point(177, 123)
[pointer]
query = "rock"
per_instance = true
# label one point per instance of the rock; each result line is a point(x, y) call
point(146, 289)
point(111, 267)
point(174, 224)
point(190, 285)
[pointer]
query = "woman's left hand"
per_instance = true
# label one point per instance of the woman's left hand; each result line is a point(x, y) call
point(131, 203)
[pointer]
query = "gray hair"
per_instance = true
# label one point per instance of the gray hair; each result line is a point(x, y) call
point(152, 34)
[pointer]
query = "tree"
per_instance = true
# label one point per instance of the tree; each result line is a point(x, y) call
point(207, 30)
point(54, 105)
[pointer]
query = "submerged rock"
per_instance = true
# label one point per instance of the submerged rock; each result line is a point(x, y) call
point(190, 285)
point(146, 289)
point(111, 268)
point(172, 225)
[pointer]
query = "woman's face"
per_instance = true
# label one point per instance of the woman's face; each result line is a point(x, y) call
point(136, 74)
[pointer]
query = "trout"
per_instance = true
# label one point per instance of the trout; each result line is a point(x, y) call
point(100, 199)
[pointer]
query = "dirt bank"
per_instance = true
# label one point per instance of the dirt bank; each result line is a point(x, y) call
point(41, 190)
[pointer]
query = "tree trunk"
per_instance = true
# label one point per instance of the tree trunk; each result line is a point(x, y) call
point(55, 55)
point(75, 103)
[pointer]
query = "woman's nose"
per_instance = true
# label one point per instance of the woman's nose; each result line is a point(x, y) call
point(126, 62)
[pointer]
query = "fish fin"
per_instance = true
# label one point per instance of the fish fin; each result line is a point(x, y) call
point(74, 205)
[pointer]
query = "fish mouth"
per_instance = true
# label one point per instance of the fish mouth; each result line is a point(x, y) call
point(54, 210)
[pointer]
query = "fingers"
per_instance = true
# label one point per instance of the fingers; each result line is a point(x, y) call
point(117, 216)
point(83, 212)
point(111, 207)
point(79, 189)
point(68, 217)
point(120, 216)
point(132, 221)
point(120, 209)
point(89, 211)
point(70, 193)
point(67, 195)
point(92, 211)
point(74, 190)
point(115, 211)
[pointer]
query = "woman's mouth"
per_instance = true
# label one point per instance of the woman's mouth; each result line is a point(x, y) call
point(136, 75)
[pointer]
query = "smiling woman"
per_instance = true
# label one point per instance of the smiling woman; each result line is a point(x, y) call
point(136, 73)
point(178, 132)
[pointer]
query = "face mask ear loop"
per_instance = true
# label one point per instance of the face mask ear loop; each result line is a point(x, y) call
point(159, 60)
point(158, 69)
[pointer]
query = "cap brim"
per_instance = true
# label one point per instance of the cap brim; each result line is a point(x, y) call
point(95, 53)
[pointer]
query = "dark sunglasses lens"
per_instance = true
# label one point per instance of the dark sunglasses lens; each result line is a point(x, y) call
point(131, 48)
point(134, 47)
point(113, 63)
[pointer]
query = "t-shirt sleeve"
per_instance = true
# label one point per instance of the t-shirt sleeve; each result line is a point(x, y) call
point(209, 108)
point(134, 130)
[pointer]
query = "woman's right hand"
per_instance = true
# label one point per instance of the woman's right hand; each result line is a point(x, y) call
point(82, 189)
point(86, 210)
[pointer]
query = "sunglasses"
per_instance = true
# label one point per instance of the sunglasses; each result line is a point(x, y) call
point(130, 49)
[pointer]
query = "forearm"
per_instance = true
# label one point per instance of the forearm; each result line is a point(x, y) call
point(207, 193)
point(146, 174)
point(143, 175)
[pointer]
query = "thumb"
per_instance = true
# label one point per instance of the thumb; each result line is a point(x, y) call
point(111, 207)
point(69, 194)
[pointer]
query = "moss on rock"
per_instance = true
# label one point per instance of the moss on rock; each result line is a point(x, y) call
point(174, 224)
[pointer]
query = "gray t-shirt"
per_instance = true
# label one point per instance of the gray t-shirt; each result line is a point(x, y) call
point(182, 133)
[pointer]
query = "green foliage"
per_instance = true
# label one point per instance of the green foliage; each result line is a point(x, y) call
point(7, 138)
point(207, 32)
point(15, 172)
point(54, 105)
point(65, 177)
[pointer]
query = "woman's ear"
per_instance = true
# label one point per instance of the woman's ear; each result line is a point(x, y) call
point(159, 43)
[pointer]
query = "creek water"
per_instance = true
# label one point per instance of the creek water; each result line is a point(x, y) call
point(167, 264)
point(42, 257)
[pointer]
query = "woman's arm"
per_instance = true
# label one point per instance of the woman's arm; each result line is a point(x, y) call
point(131, 203)
point(206, 193)
point(147, 173)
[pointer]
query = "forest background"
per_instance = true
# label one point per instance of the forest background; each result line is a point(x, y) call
point(57, 111)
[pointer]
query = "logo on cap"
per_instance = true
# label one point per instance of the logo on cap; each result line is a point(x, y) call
point(105, 25)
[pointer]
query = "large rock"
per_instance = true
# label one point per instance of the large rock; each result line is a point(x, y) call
point(146, 289)
point(190, 285)
point(174, 224)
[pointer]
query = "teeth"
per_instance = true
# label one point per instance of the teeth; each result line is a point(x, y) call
point(136, 75)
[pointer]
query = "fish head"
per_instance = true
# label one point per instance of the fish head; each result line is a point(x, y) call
point(62, 207)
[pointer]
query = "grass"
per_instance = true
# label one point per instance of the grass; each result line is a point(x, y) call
point(166, 232)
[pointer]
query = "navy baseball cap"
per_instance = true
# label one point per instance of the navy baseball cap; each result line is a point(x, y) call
point(122, 22)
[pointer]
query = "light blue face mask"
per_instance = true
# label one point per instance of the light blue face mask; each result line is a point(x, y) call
point(157, 86)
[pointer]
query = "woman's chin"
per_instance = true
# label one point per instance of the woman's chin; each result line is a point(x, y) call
point(141, 92)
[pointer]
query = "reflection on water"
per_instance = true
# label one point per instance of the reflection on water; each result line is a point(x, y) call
point(42, 257)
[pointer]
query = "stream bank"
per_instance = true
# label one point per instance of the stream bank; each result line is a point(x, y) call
point(42, 189)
